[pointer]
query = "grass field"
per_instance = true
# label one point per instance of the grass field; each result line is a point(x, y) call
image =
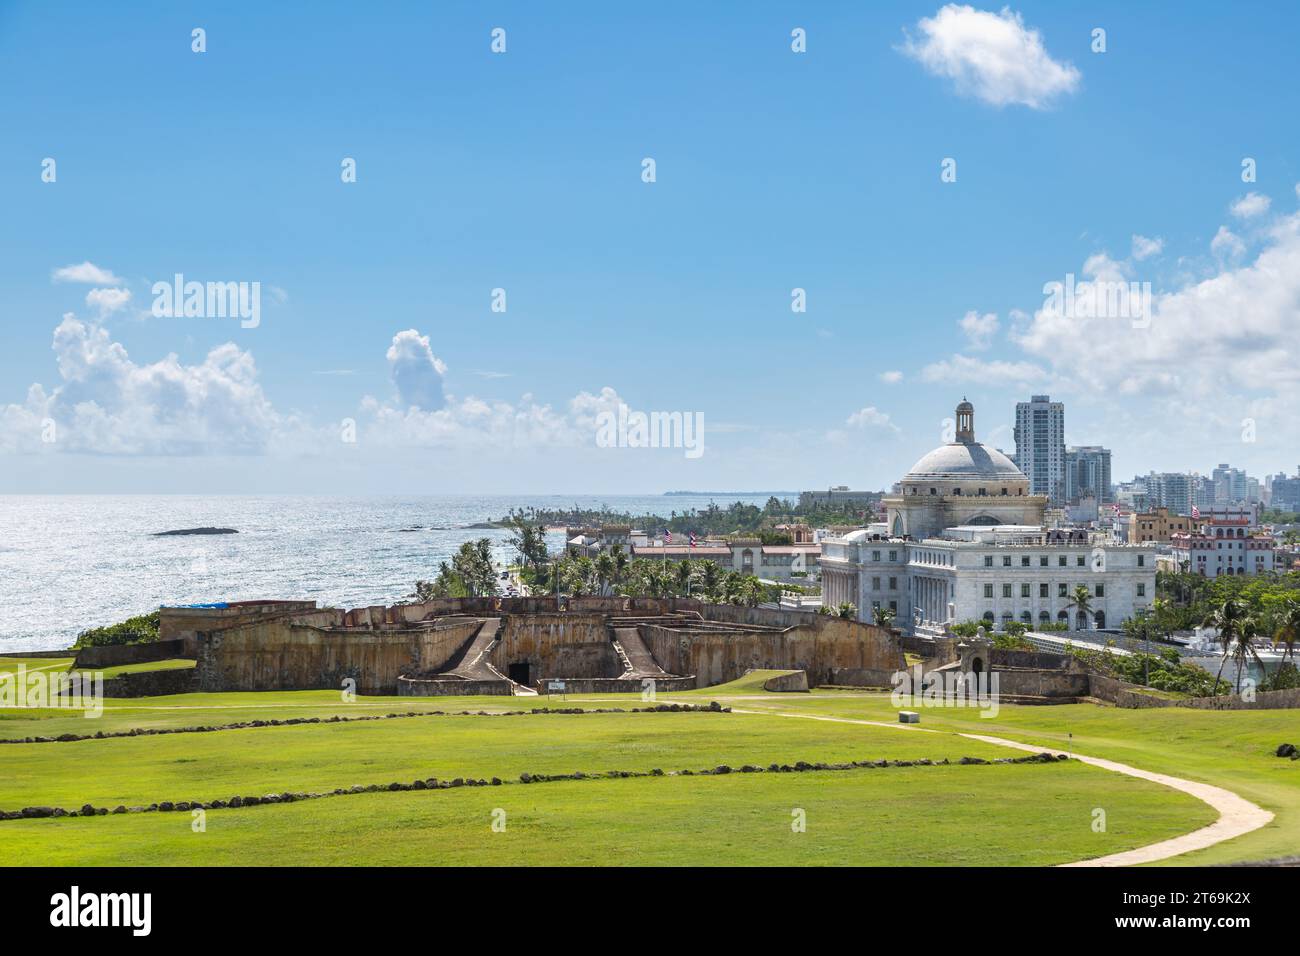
point(964, 815)
point(896, 817)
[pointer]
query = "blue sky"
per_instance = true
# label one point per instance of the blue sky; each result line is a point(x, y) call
point(522, 171)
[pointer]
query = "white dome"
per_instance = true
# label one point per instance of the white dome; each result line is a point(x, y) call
point(961, 461)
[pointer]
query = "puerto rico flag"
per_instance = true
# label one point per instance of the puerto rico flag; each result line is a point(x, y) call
point(668, 536)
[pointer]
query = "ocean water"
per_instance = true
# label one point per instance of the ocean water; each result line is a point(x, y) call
point(68, 562)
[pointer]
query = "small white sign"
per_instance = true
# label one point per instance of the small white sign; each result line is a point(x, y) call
point(555, 685)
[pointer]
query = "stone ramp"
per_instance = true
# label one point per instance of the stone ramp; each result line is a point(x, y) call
point(474, 664)
point(637, 659)
point(470, 671)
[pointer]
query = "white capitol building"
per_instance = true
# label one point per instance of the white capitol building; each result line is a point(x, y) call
point(963, 539)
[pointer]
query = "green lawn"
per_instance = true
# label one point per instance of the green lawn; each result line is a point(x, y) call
point(318, 757)
point(62, 664)
point(977, 816)
point(1231, 749)
point(173, 664)
point(1022, 814)
point(190, 710)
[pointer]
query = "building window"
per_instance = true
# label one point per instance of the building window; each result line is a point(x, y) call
point(1006, 560)
point(1061, 561)
point(893, 555)
point(1062, 590)
point(875, 555)
point(988, 590)
point(1006, 590)
point(1079, 561)
point(1142, 560)
point(875, 584)
point(893, 606)
point(988, 560)
point(1042, 560)
point(1024, 560)
point(1101, 590)
point(1024, 590)
point(1142, 590)
point(1042, 590)
point(893, 584)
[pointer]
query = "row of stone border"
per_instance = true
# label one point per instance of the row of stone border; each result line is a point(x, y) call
point(433, 783)
point(713, 707)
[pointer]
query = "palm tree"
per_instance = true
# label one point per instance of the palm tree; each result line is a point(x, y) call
point(605, 572)
point(1081, 603)
point(685, 575)
point(1232, 620)
point(711, 580)
point(1286, 626)
point(881, 616)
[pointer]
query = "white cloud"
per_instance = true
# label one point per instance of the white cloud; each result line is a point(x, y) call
point(871, 419)
point(979, 329)
point(86, 272)
point(107, 301)
point(964, 368)
point(990, 56)
point(1250, 205)
point(892, 377)
point(416, 371)
point(1144, 248)
point(472, 423)
point(1217, 349)
point(1226, 244)
point(108, 404)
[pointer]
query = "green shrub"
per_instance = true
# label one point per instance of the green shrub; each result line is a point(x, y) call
point(1163, 670)
point(141, 629)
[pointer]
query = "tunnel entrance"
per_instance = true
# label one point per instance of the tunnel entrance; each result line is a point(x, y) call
point(519, 673)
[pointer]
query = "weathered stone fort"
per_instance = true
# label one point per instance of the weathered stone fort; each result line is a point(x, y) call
point(518, 645)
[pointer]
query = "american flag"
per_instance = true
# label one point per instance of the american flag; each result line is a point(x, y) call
point(692, 539)
point(668, 536)
point(1196, 512)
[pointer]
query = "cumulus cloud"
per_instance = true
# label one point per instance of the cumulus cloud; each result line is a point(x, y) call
point(1226, 244)
point(1250, 205)
point(1144, 248)
point(416, 371)
point(990, 56)
point(105, 403)
point(871, 419)
point(1216, 350)
point(107, 301)
point(86, 272)
point(965, 368)
point(476, 423)
point(892, 377)
point(979, 329)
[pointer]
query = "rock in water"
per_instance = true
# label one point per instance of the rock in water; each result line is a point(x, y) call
point(163, 534)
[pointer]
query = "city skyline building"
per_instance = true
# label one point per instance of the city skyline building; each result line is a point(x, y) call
point(1040, 446)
